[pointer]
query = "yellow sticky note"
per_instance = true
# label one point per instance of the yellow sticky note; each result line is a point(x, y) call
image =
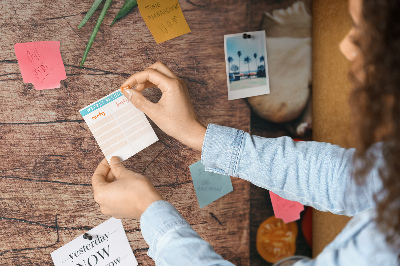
point(164, 18)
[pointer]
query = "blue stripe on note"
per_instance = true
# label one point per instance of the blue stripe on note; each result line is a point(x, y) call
point(100, 103)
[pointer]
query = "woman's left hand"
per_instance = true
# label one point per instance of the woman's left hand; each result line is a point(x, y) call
point(120, 192)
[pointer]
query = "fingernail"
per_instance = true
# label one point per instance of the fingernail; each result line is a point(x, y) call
point(115, 160)
point(129, 92)
point(124, 88)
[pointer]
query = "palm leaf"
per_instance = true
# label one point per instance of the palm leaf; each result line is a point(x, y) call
point(128, 6)
point(96, 29)
point(93, 8)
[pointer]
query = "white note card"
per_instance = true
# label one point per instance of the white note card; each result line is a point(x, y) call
point(108, 247)
point(118, 126)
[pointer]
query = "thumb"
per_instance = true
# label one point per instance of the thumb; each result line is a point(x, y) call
point(138, 100)
point(100, 174)
point(116, 166)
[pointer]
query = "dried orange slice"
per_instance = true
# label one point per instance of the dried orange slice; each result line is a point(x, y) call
point(276, 240)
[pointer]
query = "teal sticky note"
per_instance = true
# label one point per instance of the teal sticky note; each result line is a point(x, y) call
point(209, 186)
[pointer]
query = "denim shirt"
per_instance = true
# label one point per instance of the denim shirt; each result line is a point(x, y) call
point(312, 173)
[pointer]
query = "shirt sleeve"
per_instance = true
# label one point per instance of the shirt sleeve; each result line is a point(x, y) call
point(172, 241)
point(360, 243)
point(312, 173)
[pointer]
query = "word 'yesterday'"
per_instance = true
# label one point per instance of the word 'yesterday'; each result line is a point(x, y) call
point(87, 247)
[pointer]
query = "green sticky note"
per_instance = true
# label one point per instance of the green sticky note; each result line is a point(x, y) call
point(209, 186)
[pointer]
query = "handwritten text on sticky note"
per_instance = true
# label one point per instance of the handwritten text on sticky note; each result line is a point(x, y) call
point(41, 64)
point(284, 209)
point(209, 186)
point(164, 18)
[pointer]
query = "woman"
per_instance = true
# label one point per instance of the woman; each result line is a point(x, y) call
point(317, 174)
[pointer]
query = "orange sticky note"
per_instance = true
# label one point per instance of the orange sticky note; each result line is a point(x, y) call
point(41, 64)
point(284, 209)
point(164, 18)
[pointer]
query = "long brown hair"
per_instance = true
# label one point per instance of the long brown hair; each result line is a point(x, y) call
point(376, 106)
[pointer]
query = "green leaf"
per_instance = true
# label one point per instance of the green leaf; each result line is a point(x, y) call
point(128, 6)
point(93, 8)
point(96, 29)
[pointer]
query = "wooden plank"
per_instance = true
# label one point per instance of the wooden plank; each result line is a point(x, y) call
point(47, 153)
point(331, 92)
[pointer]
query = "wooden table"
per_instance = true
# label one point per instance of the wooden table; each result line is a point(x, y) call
point(48, 154)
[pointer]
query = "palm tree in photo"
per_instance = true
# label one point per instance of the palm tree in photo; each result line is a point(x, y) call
point(239, 54)
point(255, 60)
point(234, 68)
point(262, 59)
point(247, 60)
point(230, 60)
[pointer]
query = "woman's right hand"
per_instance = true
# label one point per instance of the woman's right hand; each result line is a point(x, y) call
point(173, 113)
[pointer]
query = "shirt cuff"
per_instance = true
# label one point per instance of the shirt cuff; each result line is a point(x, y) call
point(158, 219)
point(221, 150)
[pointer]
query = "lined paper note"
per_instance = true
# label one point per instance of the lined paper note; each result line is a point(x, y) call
point(41, 64)
point(118, 126)
point(209, 186)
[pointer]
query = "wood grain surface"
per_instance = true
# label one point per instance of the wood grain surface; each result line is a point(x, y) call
point(48, 154)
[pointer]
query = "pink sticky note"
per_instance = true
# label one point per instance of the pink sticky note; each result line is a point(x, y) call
point(284, 209)
point(41, 64)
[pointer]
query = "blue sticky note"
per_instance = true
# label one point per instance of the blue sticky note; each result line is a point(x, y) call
point(209, 186)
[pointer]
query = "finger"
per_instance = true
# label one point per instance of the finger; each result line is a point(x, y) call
point(140, 102)
point(117, 167)
point(157, 78)
point(142, 86)
point(105, 211)
point(110, 177)
point(100, 174)
point(139, 86)
point(160, 67)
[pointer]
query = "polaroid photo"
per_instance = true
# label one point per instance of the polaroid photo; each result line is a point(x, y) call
point(246, 64)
